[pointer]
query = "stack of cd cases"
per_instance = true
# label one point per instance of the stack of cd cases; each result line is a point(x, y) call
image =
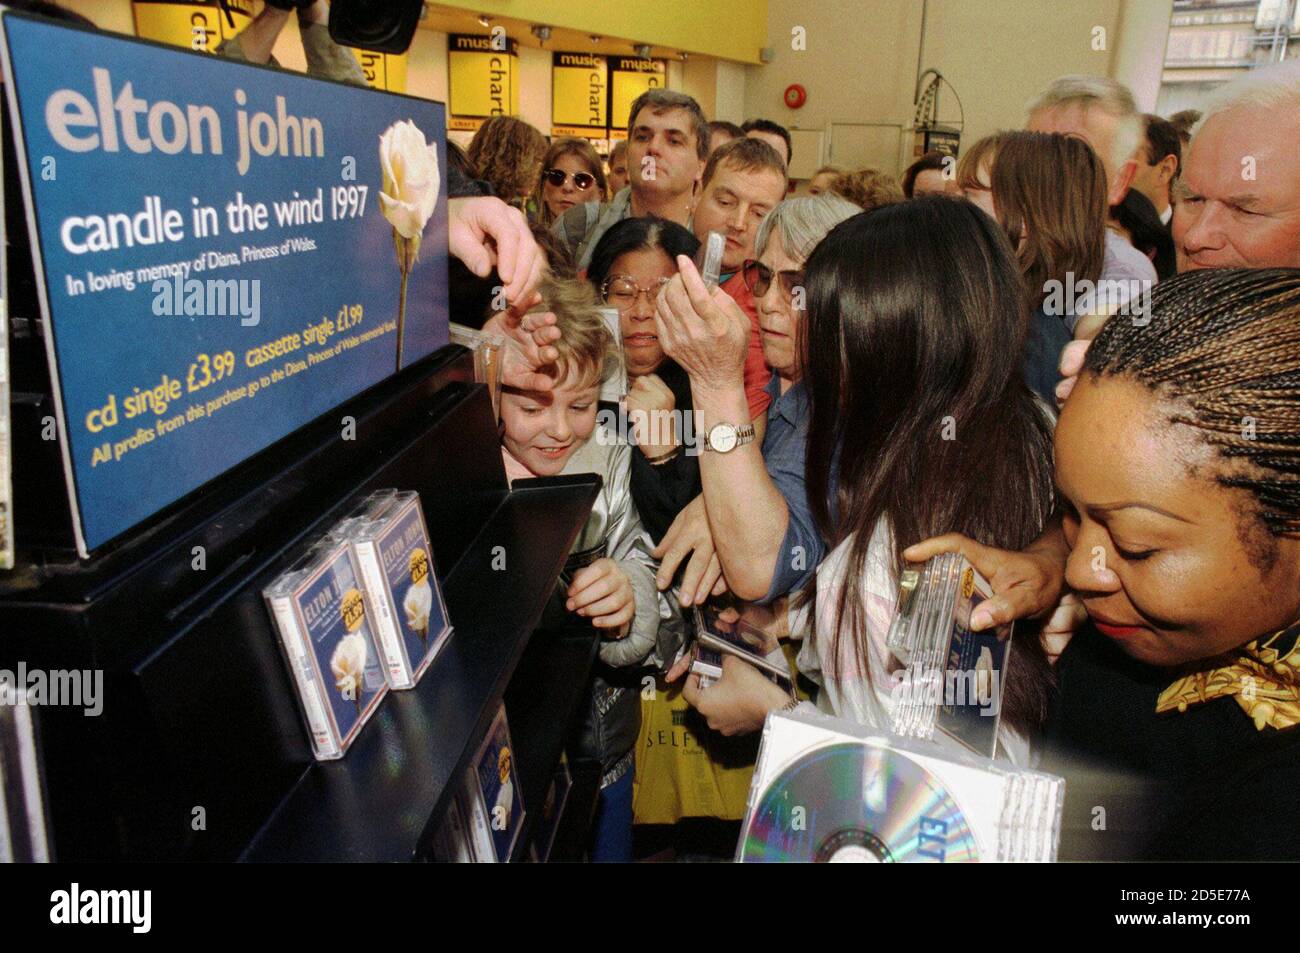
point(954, 677)
point(22, 804)
point(826, 790)
point(360, 613)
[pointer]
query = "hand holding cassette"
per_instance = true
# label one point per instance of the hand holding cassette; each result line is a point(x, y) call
point(704, 331)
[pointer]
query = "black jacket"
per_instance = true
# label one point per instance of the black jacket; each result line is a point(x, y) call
point(1199, 785)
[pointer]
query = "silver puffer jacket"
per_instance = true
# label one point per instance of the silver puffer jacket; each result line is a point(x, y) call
point(614, 529)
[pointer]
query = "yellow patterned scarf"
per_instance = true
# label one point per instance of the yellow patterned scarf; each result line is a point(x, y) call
point(1264, 678)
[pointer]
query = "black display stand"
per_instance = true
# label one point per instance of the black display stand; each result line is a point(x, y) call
point(200, 753)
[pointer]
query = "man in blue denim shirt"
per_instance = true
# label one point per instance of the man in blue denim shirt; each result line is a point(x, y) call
point(753, 523)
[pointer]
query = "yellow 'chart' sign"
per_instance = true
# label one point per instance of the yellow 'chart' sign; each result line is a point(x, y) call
point(579, 95)
point(629, 78)
point(482, 79)
point(199, 25)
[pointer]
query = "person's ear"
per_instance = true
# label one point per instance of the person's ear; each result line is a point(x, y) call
point(1168, 169)
point(1123, 180)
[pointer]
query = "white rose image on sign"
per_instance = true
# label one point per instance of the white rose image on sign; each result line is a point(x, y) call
point(407, 198)
point(417, 605)
point(348, 665)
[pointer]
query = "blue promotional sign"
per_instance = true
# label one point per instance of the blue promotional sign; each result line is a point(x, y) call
point(225, 252)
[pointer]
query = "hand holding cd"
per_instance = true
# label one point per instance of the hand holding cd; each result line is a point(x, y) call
point(739, 702)
point(1025, 584)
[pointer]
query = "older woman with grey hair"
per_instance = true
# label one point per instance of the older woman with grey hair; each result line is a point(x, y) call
point(752, 524)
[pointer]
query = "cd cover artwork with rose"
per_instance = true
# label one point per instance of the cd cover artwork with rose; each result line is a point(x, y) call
point(408, 566)
point(346, 657)
point(497, 784)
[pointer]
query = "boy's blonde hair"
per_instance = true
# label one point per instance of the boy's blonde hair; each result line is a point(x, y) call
point(586, 345)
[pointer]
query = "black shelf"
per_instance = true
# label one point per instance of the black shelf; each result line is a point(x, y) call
point(382, 800)
point(199, 709)
point(550, 687)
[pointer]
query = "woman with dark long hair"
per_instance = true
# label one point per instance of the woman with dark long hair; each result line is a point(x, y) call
point(920, 425)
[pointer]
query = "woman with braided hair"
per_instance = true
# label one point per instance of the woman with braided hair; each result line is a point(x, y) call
point(1177, 722)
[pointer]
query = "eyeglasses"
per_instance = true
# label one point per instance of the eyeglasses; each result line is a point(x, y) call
point(758, 278)
point(622, 292)
point(581, 180)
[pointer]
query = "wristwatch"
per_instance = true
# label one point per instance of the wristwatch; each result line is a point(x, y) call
point(727, 437)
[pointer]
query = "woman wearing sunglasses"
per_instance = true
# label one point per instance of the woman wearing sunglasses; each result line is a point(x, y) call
point(571, 174)
point(753, 521)
point(629, 265)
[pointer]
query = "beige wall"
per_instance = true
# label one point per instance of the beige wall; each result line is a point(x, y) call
point(861, 61)
point(1140, 51)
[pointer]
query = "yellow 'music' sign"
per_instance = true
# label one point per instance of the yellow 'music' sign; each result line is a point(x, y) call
point(579, 95)
point(629, 78)
point(199, 25)
point(483, 78)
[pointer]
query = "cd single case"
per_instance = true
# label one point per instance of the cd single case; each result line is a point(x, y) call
point(613, 387)
point(453, 843)
point(320, 612)
point(496, 803)
point(390, 541)
point(716, 637)
point(955, 678)
point(827, 790)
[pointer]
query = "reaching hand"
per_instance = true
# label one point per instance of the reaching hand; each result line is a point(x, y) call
point(707, 334)
point(738, 703)
point(690, 536)
point(529, 351)
point(1025, 584)
point(484, 233)
point(1072, 358)
point(602, 592)
point(649, 405)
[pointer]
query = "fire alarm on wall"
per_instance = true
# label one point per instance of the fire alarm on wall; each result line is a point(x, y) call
point(795, 95)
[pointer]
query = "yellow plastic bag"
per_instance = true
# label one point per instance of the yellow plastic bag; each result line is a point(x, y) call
point(685, 769)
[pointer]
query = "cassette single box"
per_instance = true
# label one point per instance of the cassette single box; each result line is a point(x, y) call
point(23, 837)
point(319, 610)
point(391, 543)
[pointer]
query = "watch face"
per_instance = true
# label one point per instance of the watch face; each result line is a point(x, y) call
point(723, 438)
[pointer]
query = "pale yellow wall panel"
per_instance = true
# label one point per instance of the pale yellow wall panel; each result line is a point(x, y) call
point(732, 29)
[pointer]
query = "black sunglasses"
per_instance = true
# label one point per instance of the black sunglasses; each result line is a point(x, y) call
point(581, 180)
point(758, 278)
